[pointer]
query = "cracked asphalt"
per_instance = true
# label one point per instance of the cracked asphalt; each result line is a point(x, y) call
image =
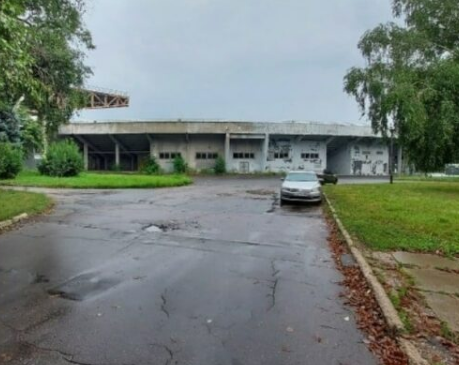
point(211, 274)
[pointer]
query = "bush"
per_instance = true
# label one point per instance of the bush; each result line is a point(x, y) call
point(180, 166)
point(10, 161)
point(220, 166)
point(63, 159)
point(150, 166)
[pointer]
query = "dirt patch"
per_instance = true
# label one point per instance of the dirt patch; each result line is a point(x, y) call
point(359, 295)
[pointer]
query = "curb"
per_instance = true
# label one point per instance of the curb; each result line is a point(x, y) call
point(387, 308)
point(9, 222)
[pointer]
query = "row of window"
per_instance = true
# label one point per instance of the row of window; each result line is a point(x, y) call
point(199, 155)
point(244, 155)
point(206, 156)
point(169, 155)
point(236, 155)
point(309, 156)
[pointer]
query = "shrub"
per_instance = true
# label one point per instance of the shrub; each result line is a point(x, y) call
point(10, 161)
point(220, 166)
point(150, 166)
point(180, 166)
point(63, 159)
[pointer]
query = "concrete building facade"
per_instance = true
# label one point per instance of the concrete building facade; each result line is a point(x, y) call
point(246, 146)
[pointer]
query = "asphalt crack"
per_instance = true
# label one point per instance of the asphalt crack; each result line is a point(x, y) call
point(273, 285)
point(164, 303)
point(168, 350)
point(273, 294)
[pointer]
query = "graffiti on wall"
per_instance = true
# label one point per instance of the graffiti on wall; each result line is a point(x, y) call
point(363, 163)
point(288, 154)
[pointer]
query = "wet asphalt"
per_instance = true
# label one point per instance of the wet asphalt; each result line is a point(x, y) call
point(211, 274)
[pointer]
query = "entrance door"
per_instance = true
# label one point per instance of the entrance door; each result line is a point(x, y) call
point(244, 167)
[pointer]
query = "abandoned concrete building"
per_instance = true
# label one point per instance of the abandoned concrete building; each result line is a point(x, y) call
point(246, 146)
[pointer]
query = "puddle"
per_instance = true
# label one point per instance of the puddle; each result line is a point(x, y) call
point(166, 226)
point(83, 287)
point(262, 192)
point(152, 228)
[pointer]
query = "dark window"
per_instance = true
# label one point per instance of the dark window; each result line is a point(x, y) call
point(206, 155)
point(169, 155)
point(309, 156)
point(281, 155)
point(380, 153)
point(243, 155)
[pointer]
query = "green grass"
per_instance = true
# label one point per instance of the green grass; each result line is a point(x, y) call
point(98, 181)
point(427, 178)
point(410, 216)
point(13, 203)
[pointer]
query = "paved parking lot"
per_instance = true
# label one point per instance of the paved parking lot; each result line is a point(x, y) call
point(214, 273)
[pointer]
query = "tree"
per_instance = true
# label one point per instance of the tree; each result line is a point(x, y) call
point(42, 53)
point(411, 80)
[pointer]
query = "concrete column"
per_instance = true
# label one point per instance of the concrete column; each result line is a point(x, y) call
point(264, 154)
point(400, 161)
point(152, 147)
point(86, 156)
point(117, 154)
point(227, 149)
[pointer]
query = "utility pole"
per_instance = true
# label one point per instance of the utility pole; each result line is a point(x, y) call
point(391, 155)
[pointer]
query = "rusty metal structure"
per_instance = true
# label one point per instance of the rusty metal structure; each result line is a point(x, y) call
point(101, 98)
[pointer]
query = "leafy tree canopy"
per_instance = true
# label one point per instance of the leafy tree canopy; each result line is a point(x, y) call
point(42, 54)
point(411, 80)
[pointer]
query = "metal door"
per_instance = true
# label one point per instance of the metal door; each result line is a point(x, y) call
point(244, 167)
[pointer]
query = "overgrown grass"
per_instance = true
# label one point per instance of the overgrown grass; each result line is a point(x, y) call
point(411, 216)
point(13, 203)
point(427, 178)
point(98, 181)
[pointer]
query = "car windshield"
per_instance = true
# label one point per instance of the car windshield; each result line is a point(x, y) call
point(302, 176)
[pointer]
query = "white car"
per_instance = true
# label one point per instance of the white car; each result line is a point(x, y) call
point(303, 186)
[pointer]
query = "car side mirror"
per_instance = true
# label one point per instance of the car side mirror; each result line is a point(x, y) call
point(282, 178)
point(322, 181)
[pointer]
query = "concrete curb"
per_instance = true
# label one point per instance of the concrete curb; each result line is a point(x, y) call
point(9, 222)
point(387, 308)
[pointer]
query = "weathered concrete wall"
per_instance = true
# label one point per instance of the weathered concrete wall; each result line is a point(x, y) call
point(247, 147)
point(369, 159)
point(245, 164)
point(287, 153)
point(204, 145)
point(217, 127)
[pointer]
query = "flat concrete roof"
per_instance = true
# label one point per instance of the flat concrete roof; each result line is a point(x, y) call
point(214, 127)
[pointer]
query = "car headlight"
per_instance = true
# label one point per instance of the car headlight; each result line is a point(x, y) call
point(316, 190)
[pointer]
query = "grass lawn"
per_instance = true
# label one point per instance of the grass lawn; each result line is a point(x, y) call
point(428, 178)
point(410, 216)
point(13, 203)
point(98, 181)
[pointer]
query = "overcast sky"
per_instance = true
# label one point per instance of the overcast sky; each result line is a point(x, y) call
point(268, 60)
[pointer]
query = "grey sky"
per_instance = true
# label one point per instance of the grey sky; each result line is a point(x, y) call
point(230, 59)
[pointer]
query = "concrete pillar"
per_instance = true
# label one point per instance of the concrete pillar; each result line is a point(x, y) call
point(117, 154)
point(152, 148)
point(264, 154)
point(400, 161)
point(227, 149)
point(86, 156)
